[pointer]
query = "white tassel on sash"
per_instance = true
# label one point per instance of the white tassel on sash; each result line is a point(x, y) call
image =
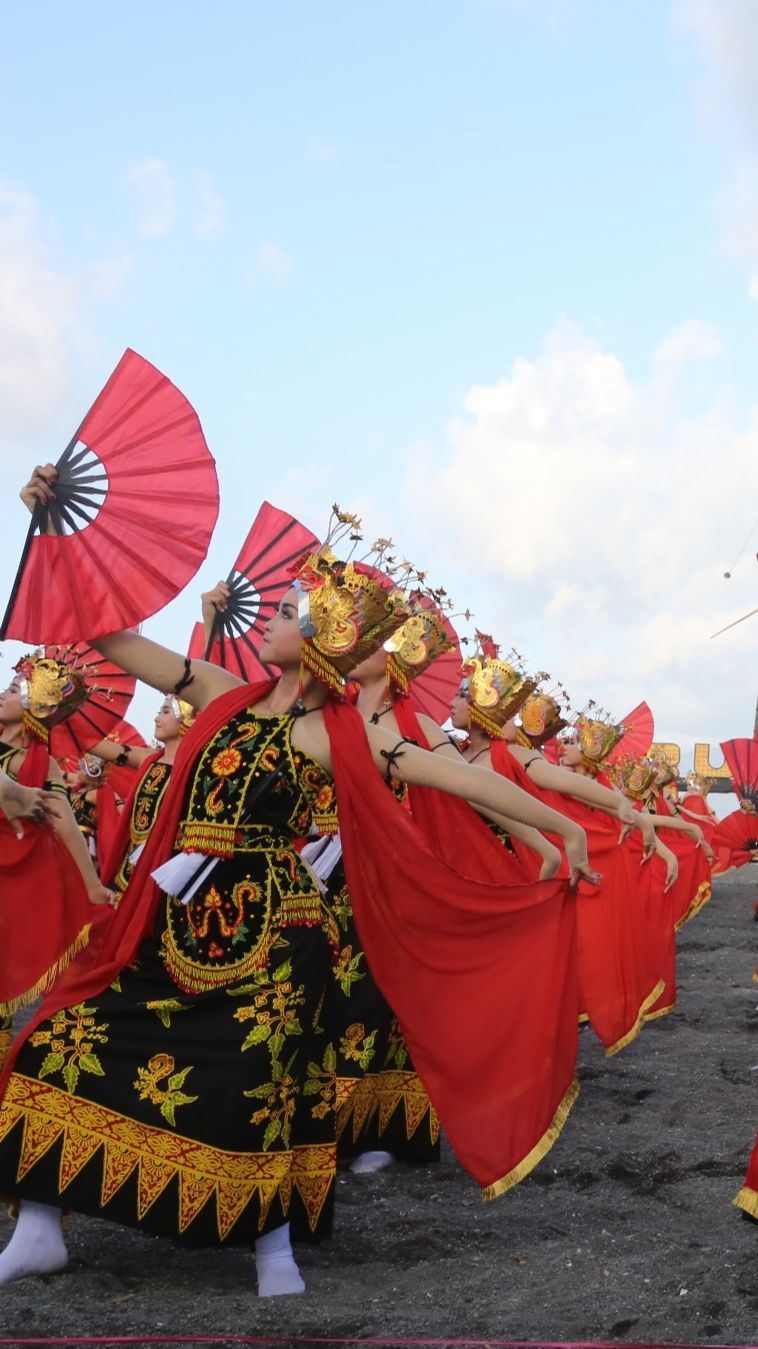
point(184, 873)
point(321, 857)
point(136, 854)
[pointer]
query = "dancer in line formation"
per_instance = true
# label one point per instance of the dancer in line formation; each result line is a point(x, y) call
point(299, 960)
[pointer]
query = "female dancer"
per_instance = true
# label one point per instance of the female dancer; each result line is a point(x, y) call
point(217, 1020)
point(618, 962)
point(172, 721)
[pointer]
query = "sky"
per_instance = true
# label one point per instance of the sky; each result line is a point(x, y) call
point(483, 271)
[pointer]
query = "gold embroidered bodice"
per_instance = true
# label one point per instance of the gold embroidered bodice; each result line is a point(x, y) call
point(250, 795)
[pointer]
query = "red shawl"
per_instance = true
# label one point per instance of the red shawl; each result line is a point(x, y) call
point(692, 889)
point(619, 950)
point(453, 828)
point(113, 855)
point(481, 976)
point(45, 912)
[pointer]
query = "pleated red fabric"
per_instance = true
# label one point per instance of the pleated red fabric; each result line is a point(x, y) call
point(45, 912)
point(692, 888)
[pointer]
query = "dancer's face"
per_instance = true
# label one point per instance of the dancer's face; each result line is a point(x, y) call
point(459, 711)
point(373, 667)
point(167, 724)
point(571, 754)
point(282, 640)
point(11, 707)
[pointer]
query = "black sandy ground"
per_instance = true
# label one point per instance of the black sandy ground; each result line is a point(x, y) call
point(625, 1231)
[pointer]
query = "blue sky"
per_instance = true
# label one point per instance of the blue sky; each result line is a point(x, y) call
point(482, 269)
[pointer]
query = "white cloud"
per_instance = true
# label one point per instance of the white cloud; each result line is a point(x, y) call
point(153, 187)
point(39, 308)
point(592, 519)
point(209, 208)
point(272, 263)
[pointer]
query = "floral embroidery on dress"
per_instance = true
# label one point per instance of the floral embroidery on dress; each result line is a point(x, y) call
point(159, 1067)
point(77, 1024)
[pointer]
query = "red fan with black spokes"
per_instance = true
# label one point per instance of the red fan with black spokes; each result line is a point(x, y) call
point(639, 733)
point(432, 691)
point(121, 777)
point(742, 759)
point(136, 501)
point(738, 832)
point(257, 581)
point(110, 692)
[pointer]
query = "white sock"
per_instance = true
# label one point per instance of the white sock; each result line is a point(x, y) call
point(275, 1264)
point(37, 1245)
point(366, 1162)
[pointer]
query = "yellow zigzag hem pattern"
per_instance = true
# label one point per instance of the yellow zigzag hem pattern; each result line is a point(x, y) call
point(702, 895)
point(382, 1093)
point(747, 1200)
point(203, 1172)
point(642, 1017)
point(540, 1150)
point(48, 979)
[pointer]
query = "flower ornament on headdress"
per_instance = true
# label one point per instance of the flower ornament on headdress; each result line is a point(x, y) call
point(346, 610)
point(596, 736)
point(50, 691)
point(637, 776)
point(496, 690)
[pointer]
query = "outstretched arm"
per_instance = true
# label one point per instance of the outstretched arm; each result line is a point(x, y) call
point(555, 779)
point(163, 669)
point(111, 752)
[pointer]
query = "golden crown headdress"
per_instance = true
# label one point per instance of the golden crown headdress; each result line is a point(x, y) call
point(50, 691)
point(496, 689)
point(597, 736)
point(346, 609)
point(541, 719)
point(423, 637)
point(663, 766)
point(637, 776)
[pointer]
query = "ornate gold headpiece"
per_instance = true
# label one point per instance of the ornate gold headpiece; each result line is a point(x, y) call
point(346, 609)
point(637, 776)
point(541, 719)
point(50, 691)
point(496, 690)
point(184, 712)
point(423, 637)
point(664, 767)
point(596, 737)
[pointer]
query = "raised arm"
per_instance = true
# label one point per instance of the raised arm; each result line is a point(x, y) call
point(131, 755)
point(164, 669)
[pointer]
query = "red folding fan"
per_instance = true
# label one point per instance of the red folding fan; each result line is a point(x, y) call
point(257, 581)
point(136, 500)
point(639, 733)
point(742, 758)
point(110, 693)
point(738, 832)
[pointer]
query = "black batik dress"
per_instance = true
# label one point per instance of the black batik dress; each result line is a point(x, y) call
point(194, 1098)
point(381, 1101)
point(145, 806)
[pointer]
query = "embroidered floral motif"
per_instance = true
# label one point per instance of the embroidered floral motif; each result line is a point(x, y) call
point(321, 1081)
point(341, 908)
point(226, 762)
point(347, 969)
point(273, 1009)
point(163, 1008)
point(162, 1066)
point(280, 1096)
point(397, 1053)
point(78, 1025)
point(356, 1046)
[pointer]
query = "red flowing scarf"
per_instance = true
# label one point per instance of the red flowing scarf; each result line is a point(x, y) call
point(481, 976)
point(45, 912)
point(113, 855)
point(692, 888)
point(453, 828)
point(619, 950)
